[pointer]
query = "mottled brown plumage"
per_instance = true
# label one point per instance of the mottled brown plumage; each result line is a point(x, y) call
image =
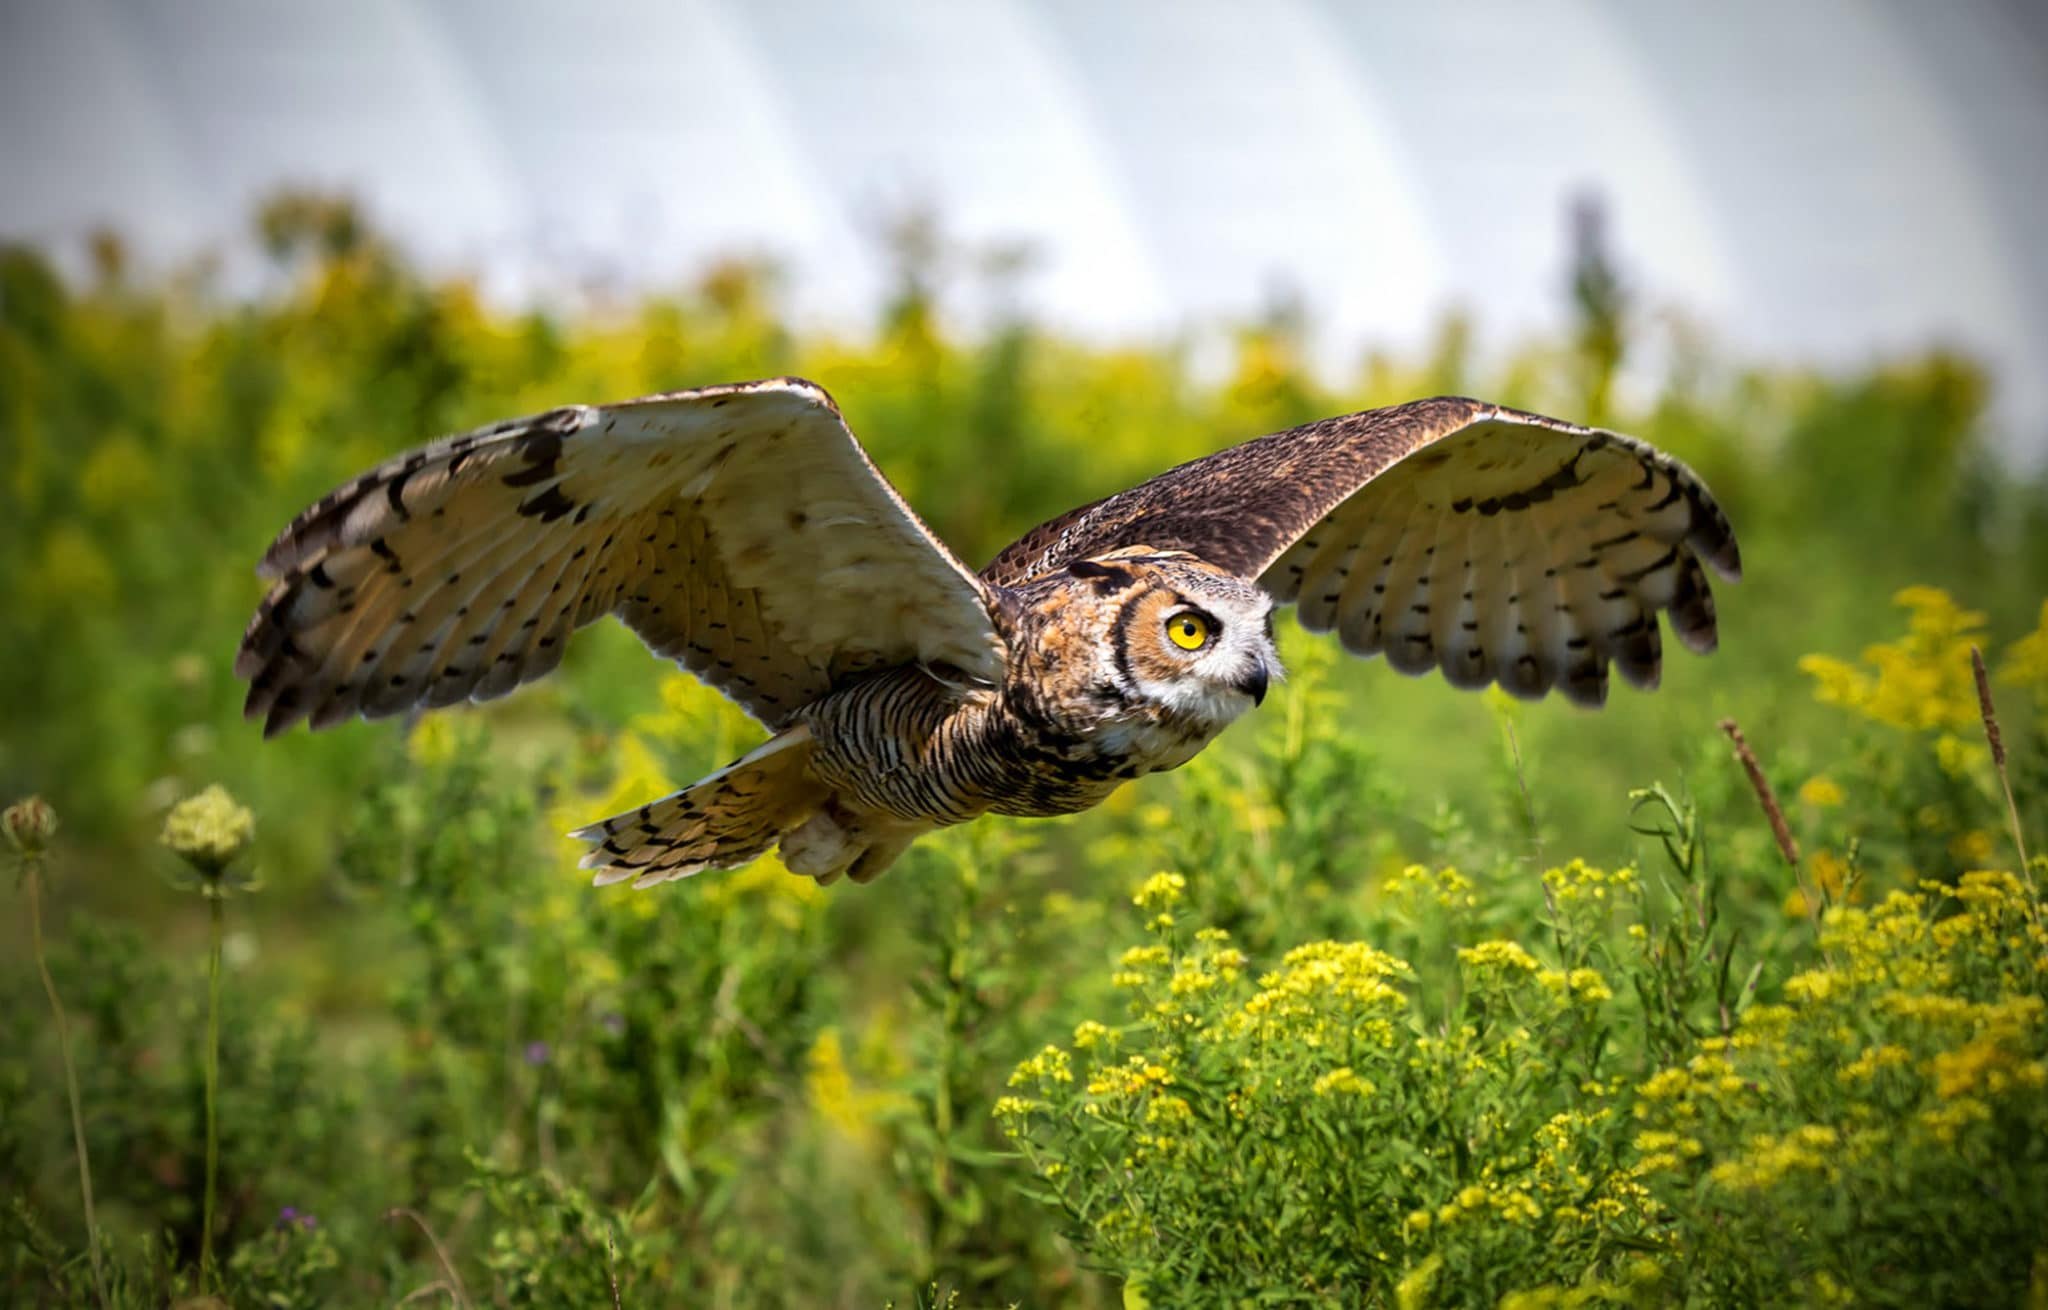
point(742, 531)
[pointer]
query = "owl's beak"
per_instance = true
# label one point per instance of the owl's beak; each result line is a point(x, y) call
point(1254, 683)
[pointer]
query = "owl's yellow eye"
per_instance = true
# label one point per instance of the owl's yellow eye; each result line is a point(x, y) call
point(1188, 630)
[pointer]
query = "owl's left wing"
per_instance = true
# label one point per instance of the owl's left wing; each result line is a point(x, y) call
point(1497, 545)
point(739, 530)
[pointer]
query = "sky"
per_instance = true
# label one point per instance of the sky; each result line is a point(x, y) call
point(1824, 182)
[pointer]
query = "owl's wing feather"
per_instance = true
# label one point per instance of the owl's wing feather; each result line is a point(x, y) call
point(740, 530)
point(1497, 545)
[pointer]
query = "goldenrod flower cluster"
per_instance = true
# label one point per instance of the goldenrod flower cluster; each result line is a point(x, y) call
point(1920, 1050)
point(1914, 1043)
point(1497, 956)
point(854, 1110)
point(1923, 680)
point(2026, 660)
point(1580, 986)
point(1162, 891)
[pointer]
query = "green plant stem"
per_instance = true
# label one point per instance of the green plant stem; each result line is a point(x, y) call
point(212, 1090)
point(33, 874)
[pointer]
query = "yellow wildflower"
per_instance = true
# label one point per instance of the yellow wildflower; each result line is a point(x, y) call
point(1921, 681)
point(1770, 1158)
point(1867, 1065)
point(1501, 955)
point(1446, 887)
point(1584, 986)
point(1822, 791)
point(2026, 660)
point(1813, 986)
point(1144, 957)
point(1947, 1122)
point(433, 740)
point(73, 572)
point(117, 476)
point(851, 1110)
point(1049, 1065)
point(1412, 1292)
point(1089, 1034)
point(1342, 1082)
point(1984, 1065)
point(1168, 1110)
point(1959, 757)
point(1159, 891)
point(1129, 1079)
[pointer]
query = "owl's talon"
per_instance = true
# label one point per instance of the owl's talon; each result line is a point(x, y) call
point(949, 674)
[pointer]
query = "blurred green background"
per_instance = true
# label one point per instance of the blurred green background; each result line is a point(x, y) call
point(423, 965)
point(158, 438)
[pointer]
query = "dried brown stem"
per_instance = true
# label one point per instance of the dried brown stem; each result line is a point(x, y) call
point(1776, 814)
point(1764, 795)
point(1988, 710)
point(1992, 735)
point(454, 1277)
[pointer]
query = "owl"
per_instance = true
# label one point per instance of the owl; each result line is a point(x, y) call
point(742, 532)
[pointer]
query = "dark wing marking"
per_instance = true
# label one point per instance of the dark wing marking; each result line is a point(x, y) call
point(740, 530)
point(1497, 545)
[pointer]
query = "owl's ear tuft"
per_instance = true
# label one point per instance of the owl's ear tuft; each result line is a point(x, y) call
point(1008, 604)
point(1106, 576)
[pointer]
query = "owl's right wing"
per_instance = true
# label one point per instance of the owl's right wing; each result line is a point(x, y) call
point(1496, 545)
point(740, 530)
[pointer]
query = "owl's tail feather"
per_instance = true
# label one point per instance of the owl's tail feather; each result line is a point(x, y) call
point(723, 821)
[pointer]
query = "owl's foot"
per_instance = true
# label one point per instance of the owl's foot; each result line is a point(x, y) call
point(837, 840)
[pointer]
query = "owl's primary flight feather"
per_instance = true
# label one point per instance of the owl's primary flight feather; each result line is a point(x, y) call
point(742, 531)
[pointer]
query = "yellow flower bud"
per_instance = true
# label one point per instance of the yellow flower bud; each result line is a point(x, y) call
point(209, 830)
point(30, 824)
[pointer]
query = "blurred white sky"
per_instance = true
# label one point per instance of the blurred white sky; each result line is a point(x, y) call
point(1815, 181)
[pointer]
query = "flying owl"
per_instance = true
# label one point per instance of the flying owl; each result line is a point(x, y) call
point(742, 532)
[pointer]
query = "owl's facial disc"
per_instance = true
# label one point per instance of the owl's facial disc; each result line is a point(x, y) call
point(1202, 646)
point(1197, 634)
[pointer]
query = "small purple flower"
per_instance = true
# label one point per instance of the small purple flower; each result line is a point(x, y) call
point(537, 1053)
point(290, 1217)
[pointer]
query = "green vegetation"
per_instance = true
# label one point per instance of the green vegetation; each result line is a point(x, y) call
point(1397, 996)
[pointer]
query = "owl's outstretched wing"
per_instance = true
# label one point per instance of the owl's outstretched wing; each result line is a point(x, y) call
point(740, 530)
point(1496, 545)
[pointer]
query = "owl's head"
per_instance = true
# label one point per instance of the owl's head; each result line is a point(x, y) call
point(1186, 636)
